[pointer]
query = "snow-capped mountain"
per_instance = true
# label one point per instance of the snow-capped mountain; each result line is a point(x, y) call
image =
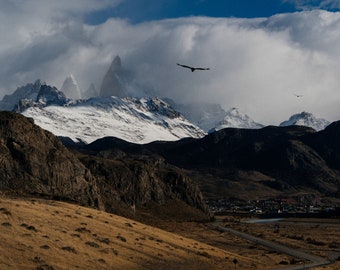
point(306, 119)
point(235, 119)
point(138, 120)
point(46, 96)
point(204, 115)
point(70, 88)
point(212, 117)
point(28, 92)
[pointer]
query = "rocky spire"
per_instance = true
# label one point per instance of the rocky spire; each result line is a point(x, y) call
point(70, 88)
point(90, 92)
point(113, 81)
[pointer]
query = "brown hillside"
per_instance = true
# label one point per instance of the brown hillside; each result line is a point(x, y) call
point(39, 234)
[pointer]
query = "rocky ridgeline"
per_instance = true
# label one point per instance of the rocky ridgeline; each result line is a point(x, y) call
point(33, 161)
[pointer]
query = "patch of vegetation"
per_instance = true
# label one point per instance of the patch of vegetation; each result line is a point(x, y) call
point(104, 240)
point(121, 238)
point(204, 254)
point(314, 242)
point(45, 247)
point(92, 244)
point(333, 245)
point(108, 250)
point(82, 230)
point(45, 267)
point(5, 211)
point(70, 249)
point(28, 227)
point(6, 224)
point(295, 237)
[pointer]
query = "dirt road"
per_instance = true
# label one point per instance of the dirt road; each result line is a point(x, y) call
point(311, 260)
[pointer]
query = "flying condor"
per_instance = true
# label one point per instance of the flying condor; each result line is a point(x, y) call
point(193, 68)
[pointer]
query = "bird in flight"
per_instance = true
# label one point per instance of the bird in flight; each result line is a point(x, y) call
point(298, 96)
point(192, 68)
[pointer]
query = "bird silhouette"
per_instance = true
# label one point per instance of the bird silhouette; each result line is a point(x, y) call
point(298, 96)
point(192, 68)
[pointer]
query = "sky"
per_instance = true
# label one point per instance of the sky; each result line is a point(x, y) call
point(260, 52)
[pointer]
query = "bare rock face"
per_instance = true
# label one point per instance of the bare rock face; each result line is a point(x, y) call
point(142, 181)
point(34, 161)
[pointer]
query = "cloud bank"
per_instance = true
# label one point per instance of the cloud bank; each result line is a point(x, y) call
point(256, 65)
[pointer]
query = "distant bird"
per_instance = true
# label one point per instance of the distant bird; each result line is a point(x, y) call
point(298, 96)
point(193, 68)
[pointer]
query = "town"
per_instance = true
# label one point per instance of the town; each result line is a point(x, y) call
point(278, 207)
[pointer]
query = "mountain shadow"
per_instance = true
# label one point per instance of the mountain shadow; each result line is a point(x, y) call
point(250, 163)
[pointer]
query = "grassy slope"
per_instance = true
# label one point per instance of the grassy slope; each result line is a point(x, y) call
point(39, 234)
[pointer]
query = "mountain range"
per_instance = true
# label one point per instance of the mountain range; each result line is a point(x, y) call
point(117, 110)
point(125, 151)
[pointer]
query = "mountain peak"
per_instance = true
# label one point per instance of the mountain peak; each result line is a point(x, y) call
point(90, 92)
point(49, 95)
point(235, 119)
point(306, 119)
point(116, 64)
point(39, 82)
point(114, 80)
point(70, 88)
point(29, 91)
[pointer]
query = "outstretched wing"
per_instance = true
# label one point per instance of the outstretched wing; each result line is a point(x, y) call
point(202, 68)
point(193, 68)
point(184, 66)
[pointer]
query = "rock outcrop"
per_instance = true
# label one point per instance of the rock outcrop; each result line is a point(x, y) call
point(126, 181)
point(34, 161)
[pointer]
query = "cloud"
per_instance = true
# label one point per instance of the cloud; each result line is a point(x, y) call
point(315, 4)
point(256, 64)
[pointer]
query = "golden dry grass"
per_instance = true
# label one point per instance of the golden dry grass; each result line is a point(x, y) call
point(41, 234)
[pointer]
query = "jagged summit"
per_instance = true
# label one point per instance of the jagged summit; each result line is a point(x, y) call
point(49, 95)
point(235, 119)
point(114, 80)
point(70, 88)
point(306, 119)
point(30, 92)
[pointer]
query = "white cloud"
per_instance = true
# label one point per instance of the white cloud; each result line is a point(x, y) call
point(256, 64)
point(313, 4)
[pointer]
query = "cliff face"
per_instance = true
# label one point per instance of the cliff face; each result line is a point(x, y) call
point(140, 181)
point(34, 161)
